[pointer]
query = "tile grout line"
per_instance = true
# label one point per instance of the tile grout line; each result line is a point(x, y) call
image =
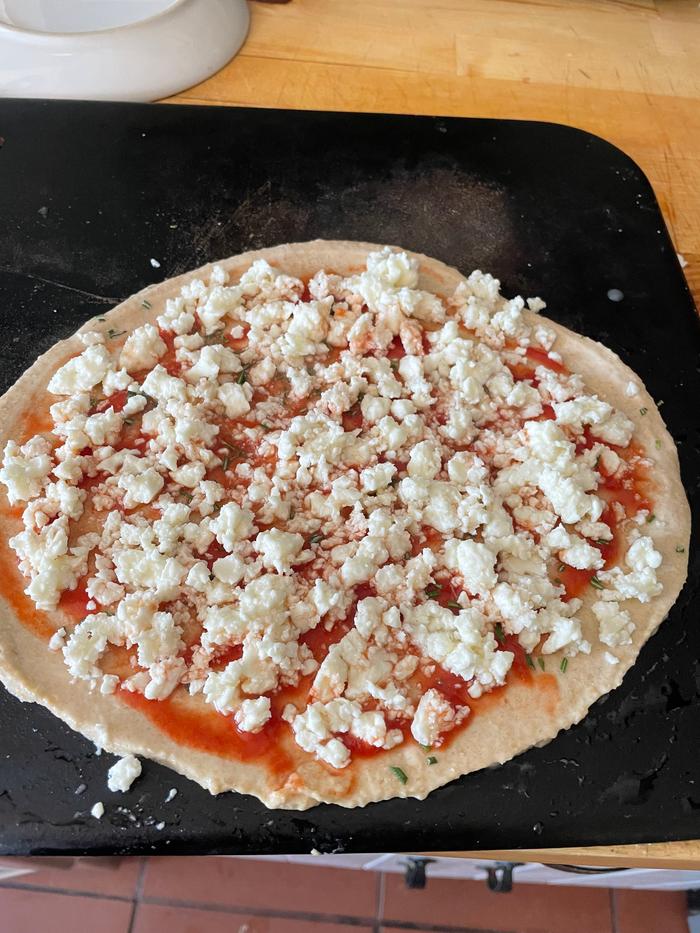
point(310, 917)
point(613, 909)
point(238, 909)
point(138, 891)
point(65, 892)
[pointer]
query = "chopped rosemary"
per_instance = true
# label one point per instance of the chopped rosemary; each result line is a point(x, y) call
point(601, 542)
point(101, 318)
point(112, 333)
point(186, 496)
point(243, 375)
point(224, 465)
point(432, 592)
point(399, 774)
point(238, 453)
point(650, 518)
point(564, 664)
point(596, 583)
point(394, 365)
point(680, 549)
point(432, 760)
point(499, 633)
point(658, 444)
point(128, 421)
point(265, 426)
point(643, 411)
point(561, 568)
point(314, 539)
point(426, 748)
point(453, 604)
point(540, 661)
point(146, 304)
point(530, 663)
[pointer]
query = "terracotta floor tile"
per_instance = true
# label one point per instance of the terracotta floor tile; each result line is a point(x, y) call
point(31, 911)
point(151, 918)
point(650, 912)
point(527, 909)
point(115, 880)
point(245, 882)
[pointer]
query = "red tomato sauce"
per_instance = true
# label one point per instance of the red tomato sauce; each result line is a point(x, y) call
point(214, 733)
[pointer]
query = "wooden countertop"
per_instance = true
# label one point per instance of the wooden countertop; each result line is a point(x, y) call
point(624, 69)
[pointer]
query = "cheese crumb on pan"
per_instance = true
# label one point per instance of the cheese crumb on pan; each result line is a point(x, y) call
point(412, 483)
point(122, 775)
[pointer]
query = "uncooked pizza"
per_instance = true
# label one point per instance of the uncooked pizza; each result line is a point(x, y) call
point(331, 522)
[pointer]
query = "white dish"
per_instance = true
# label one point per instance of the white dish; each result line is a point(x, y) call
point(115, 49)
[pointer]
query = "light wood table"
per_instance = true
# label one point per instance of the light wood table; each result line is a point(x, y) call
point(627, 70)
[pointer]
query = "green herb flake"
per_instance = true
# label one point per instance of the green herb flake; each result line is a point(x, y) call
point(561, 568)
point(596, 583)
point(314, 539)
point(658, 444)
point(499, 633)
point(540, 661)
point(432, 592)
point(112, 333)
point(236, 452)
point(186, 497)
point(146, 304)
point(680, 549)
point(265, 426)
point(601, 542)
point(243, 375)
point(650, 518)
point(102, 319)
point(453, 604)
point(214, 337)
point(394, 365)
point(643, 411)
point(426, 748)
point(530, 663)
point(399, 774)
point(224, 465)
point(128, 421)
point(432, 760)
point(564, 664)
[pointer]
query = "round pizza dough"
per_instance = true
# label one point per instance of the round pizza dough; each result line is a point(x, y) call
point(519, 717)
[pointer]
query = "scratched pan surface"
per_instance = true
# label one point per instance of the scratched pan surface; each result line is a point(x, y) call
point(89, 193)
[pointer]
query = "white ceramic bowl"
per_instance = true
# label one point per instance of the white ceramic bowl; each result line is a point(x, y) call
point(115, 49)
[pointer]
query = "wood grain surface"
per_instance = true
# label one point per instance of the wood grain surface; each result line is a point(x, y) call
point(627, 70)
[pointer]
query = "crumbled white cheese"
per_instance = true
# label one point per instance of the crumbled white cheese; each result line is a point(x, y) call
point(615, 625)
point(82, 372)
point(253, 714)
point(434, 715)
point(122, 775)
